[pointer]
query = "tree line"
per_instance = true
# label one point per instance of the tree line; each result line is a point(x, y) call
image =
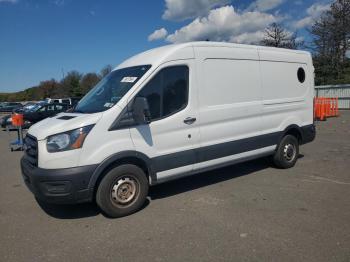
point(73, 84)
point(330, 43)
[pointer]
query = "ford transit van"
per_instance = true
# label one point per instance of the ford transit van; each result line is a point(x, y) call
point(171, 112)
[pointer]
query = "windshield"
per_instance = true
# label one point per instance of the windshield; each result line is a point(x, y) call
point(34, 108)
point(28, 107)
point(110, 89)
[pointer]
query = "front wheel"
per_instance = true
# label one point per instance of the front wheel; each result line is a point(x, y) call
point(287, 152)
point(122, 191)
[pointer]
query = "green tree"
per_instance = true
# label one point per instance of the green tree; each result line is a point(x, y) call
point(89, 81)
point(106, 70)
point(71, 85)
point(331, 41)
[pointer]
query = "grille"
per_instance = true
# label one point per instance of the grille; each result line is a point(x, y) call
point(31, 149)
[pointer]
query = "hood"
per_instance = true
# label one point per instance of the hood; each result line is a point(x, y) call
point(61, 123)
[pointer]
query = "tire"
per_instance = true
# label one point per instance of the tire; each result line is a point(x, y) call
point(122, 191)
point(287, 152)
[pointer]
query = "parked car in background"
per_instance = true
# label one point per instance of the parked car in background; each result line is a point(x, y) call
point(35, 114)
point(27, 107)
point(43, 111)
point(10, 106)
point(6, 120)
point(72, 101)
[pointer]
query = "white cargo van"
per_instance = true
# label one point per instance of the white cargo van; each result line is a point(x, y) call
point(172, 112)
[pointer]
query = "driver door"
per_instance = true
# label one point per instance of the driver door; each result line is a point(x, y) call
point(171, 136)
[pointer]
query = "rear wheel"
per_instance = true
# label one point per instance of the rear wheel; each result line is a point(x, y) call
point(287, 152)
point(122, 191)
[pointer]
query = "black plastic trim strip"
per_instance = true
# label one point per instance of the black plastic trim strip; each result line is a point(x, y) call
point(174, 160)
point(236, 147)
point(202, 154)
point(189, 157)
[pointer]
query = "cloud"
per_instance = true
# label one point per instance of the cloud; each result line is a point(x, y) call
point(264, 5)
point(8, 1)
point(317, 9)
point(58, 2)
point(307, 21)
point(158, 34)
point(179, 10)
point(313, 13)
point(248, 38)
point(225, 24)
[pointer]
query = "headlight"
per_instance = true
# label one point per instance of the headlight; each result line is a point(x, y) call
point(70, 140)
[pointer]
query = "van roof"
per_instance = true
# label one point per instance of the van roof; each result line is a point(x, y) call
point(160, 54)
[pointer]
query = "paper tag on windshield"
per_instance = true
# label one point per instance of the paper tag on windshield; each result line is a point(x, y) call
point(108, 104)
point(128, 79)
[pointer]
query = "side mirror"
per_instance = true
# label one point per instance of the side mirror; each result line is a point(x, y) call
point(140, 111)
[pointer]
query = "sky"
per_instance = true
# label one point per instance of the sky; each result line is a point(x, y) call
point(44, 39)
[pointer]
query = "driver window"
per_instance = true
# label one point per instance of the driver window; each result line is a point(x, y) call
point(167, 92)
point(152, 92)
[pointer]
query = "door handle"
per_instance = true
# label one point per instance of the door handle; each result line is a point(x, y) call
point(190, 120)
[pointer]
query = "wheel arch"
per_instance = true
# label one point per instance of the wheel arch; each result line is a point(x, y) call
point(127, 157)
point(294, 130)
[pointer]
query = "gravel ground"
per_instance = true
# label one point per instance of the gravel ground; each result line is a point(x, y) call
point(246, 212)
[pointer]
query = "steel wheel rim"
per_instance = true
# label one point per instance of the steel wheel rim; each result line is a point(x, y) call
point(124, 191)
point(289, 152)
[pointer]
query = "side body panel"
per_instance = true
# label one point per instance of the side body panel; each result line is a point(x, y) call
point(286, 101)
point(101, 143)
point(229, 104)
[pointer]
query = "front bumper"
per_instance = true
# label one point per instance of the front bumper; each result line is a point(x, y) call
point(59, 186)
